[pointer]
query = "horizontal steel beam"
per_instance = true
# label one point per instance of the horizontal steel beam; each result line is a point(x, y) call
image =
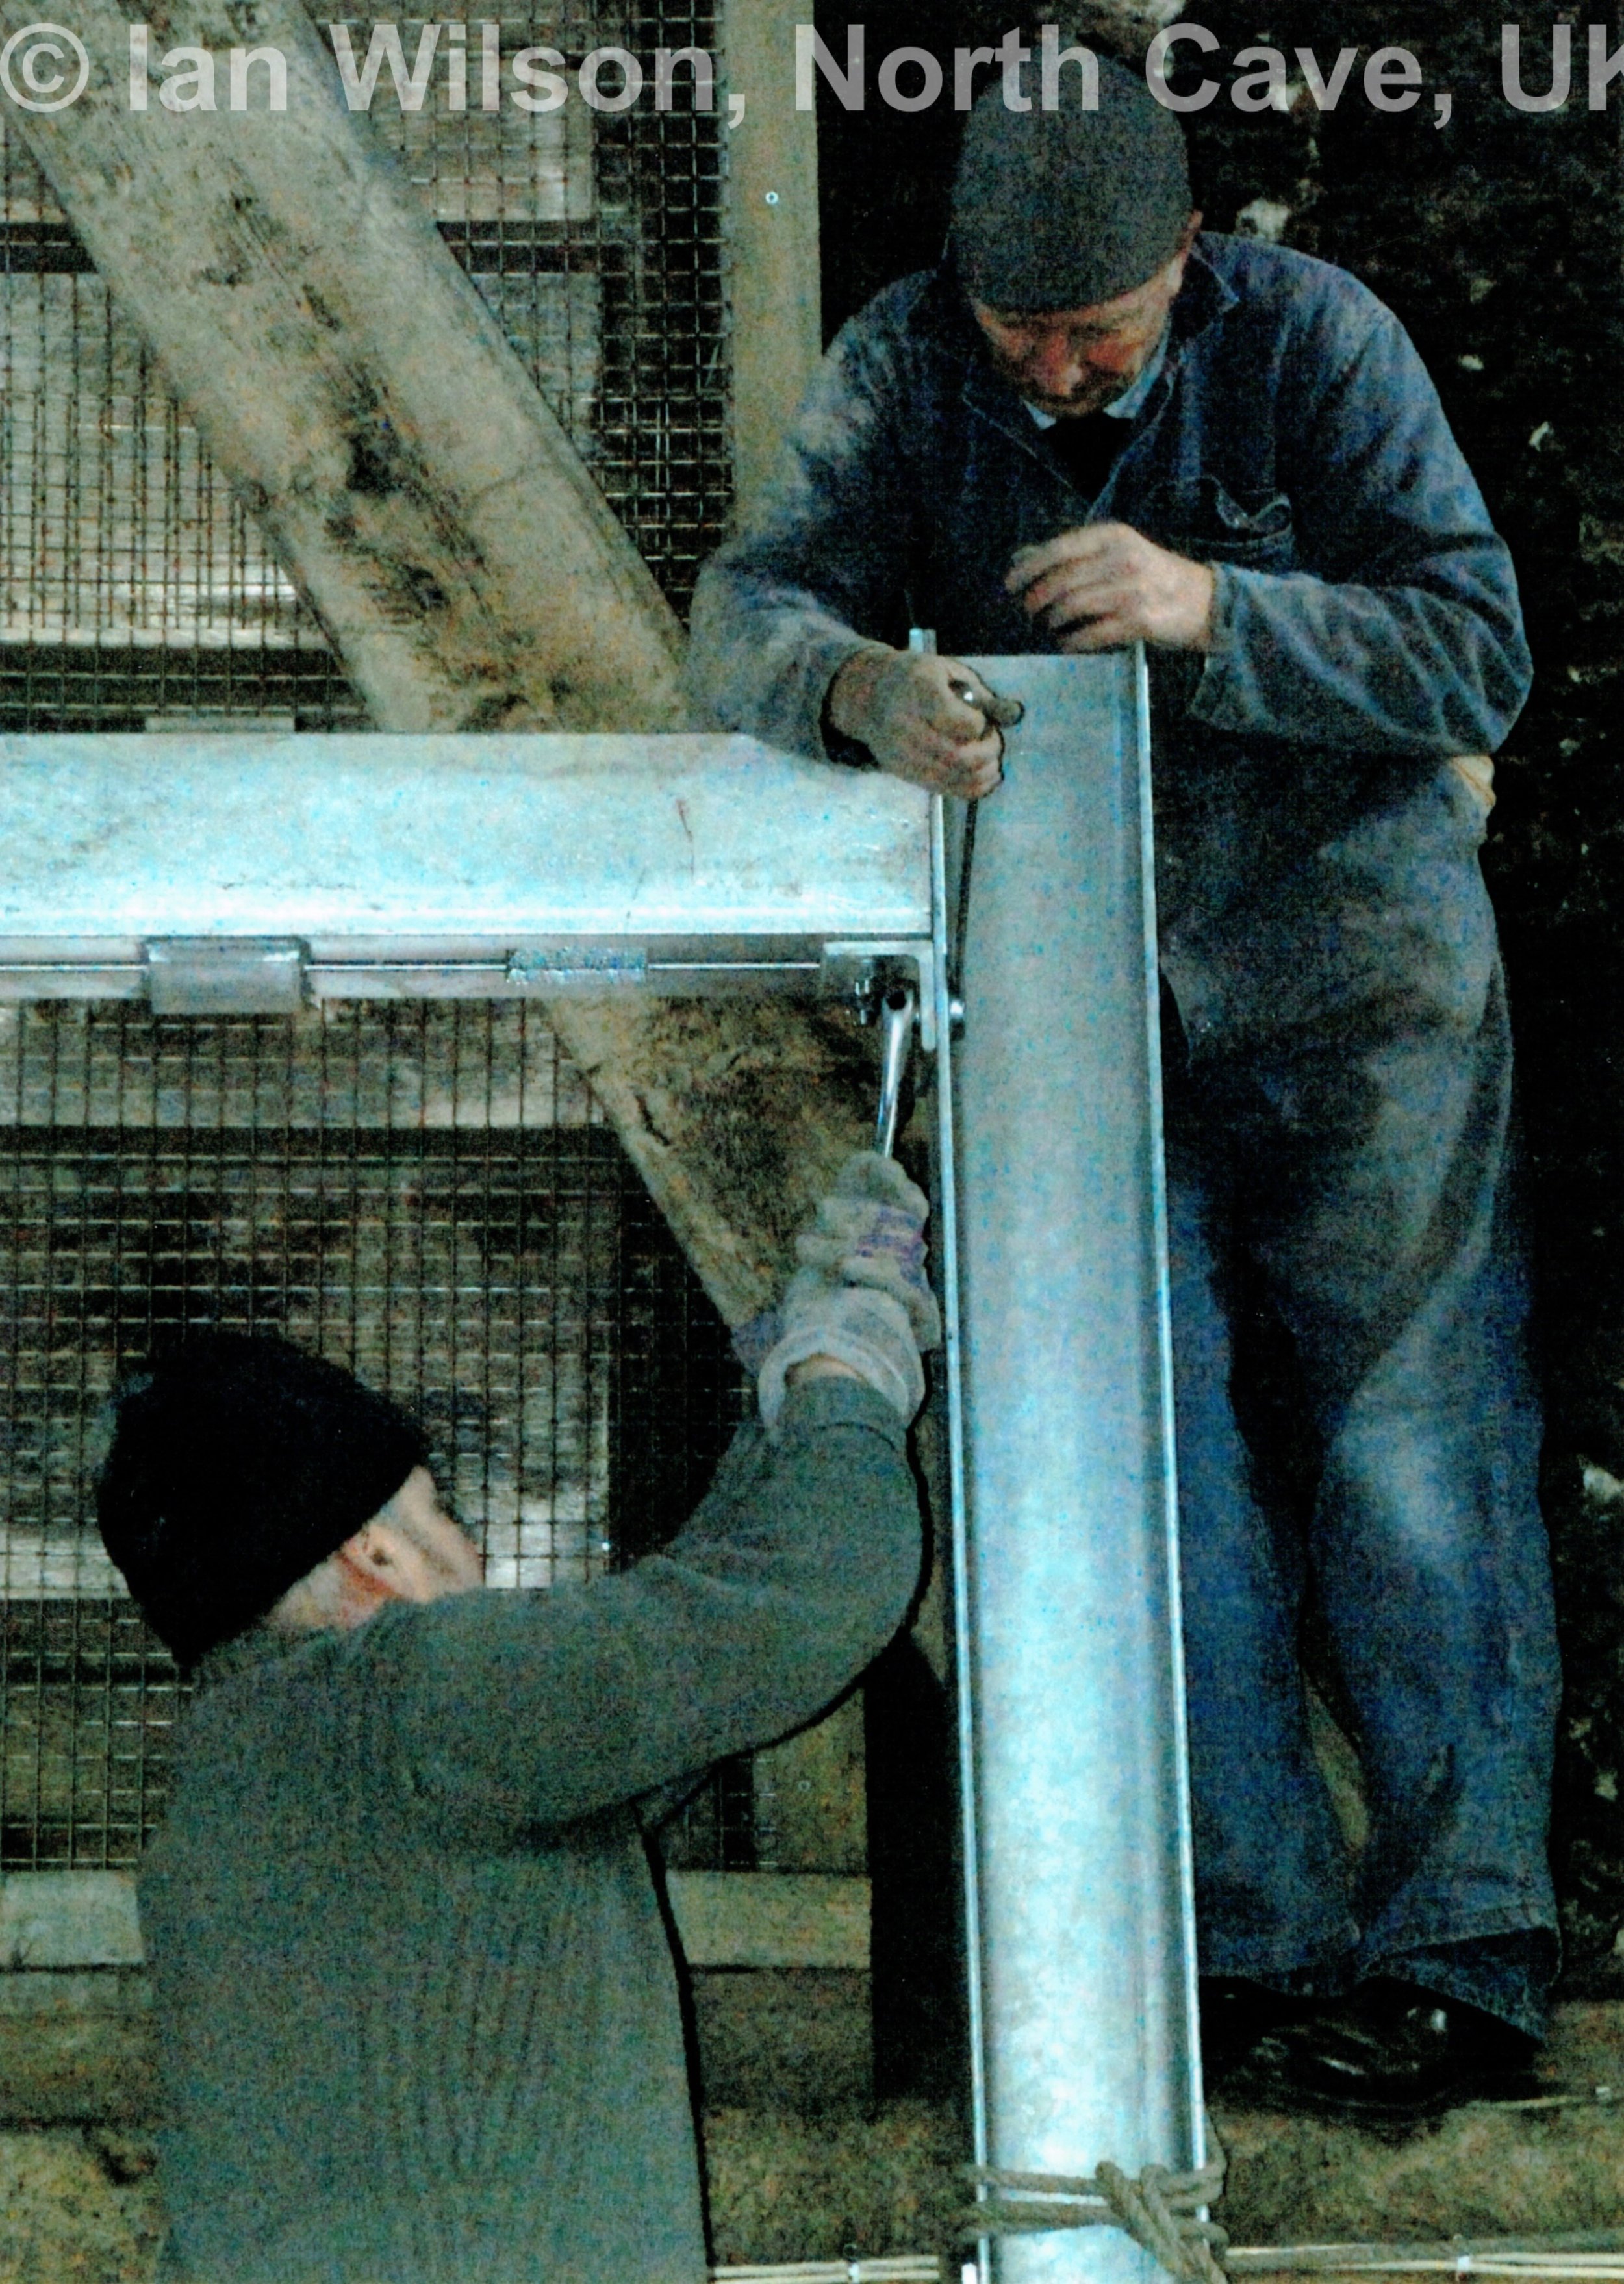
point(220, 873)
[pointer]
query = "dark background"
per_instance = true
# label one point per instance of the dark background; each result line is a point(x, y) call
point(1499, 241)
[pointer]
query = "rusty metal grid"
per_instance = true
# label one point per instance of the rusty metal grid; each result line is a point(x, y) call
point(426, 1194)
point(136, 592)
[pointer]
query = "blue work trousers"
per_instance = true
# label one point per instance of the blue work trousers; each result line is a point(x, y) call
point(1350, 1185)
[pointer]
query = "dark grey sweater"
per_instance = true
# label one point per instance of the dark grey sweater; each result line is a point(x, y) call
point(416, 2007)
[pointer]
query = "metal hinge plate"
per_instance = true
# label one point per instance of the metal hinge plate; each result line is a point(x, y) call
point(225, 975)
point(862, 972)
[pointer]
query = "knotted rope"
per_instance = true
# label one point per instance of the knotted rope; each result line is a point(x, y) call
point(1160, 2208)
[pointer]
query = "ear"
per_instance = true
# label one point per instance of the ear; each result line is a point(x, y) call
point(1181, 252)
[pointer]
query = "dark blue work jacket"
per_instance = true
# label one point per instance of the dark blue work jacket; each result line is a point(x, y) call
point(1317, 853)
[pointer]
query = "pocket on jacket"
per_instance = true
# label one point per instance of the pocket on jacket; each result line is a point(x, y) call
point(1208, 522)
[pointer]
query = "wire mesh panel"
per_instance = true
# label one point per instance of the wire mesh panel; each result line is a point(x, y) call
point(596, 237)
point(426, 1194)
point(133, 587)
point(136, 592)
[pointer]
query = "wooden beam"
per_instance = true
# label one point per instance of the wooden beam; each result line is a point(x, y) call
point(773, 281)
point(737, 1114)
point(59, 1927)
point(55, 1920)
point(809, 1796)
point(77, 2049)
point(350, 381)
point(77, 2033)
point(771, 1919)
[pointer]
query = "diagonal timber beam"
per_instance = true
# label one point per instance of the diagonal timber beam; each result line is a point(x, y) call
point(351, 383)
point(348, 380)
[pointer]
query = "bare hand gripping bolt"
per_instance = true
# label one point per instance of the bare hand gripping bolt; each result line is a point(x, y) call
point(997, 713)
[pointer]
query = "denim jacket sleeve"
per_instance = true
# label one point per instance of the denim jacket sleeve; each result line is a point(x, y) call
point(776, 612)
point(1406, 633)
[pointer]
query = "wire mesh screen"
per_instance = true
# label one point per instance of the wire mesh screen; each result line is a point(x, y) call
point(426, 1194)
point(136, 590)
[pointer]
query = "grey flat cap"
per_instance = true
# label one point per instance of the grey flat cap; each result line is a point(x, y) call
point(1062, 209)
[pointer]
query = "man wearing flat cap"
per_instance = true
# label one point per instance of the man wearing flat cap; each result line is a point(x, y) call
point(416, 2007)
point(1094, 426)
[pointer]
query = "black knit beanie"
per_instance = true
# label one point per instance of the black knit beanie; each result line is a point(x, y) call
point(236, 1466)
point(1066, 208)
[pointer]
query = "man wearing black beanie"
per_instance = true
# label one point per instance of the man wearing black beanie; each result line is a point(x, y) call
point(1094, 425)
point(235, 1467)
point(416, 2008)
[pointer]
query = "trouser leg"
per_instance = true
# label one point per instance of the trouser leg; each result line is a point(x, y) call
point(1377, 1198)
point(1271, 1882)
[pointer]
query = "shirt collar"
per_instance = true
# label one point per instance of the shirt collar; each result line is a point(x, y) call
point(1124, 407)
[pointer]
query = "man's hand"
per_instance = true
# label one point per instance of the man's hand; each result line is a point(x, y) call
point(870, 1229)
point(859, 1298)
point(1104, 585)
point(902, 705)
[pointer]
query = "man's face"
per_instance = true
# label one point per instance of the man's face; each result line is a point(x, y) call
point(1073, 362)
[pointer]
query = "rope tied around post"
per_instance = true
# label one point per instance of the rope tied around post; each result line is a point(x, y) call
point(1160, 2208)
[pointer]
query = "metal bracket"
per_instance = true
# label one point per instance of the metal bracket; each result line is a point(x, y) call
point(277, 975)
point(225, 975)
point(864, 972)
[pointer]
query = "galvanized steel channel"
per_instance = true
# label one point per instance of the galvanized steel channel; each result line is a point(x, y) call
point(1078, 1830)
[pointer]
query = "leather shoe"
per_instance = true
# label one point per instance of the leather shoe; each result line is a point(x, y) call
point(1237, 2014)
point(1393, 2052)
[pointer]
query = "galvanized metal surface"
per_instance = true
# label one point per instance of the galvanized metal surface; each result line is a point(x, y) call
point(1082, 1878)
point(945, 1138)
point(539, 864)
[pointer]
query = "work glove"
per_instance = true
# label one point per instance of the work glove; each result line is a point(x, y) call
point(870, 1229)
point(860, 1295)
point(857, 1327)
point(928, 719)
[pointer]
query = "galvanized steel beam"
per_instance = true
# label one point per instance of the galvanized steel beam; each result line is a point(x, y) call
point(1079, 1850)
point(219, 874)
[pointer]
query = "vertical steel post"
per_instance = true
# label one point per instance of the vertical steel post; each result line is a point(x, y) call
point(1070, 1613)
